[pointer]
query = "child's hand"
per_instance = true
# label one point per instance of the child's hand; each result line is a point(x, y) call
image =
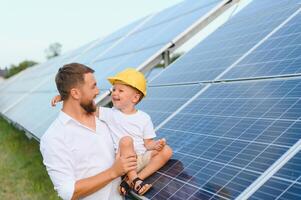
point(55, 100)
point(160, 144)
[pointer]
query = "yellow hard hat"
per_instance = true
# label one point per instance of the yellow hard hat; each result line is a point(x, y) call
point(131, 77)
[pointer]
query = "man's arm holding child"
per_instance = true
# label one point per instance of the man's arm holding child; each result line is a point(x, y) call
point(60, 167)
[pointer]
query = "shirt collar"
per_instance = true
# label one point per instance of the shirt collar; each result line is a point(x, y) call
point(64, 118)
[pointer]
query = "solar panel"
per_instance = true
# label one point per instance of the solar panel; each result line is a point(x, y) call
point(20, 86)
point(130, 47)
point(285, 184)
point(38, 109)
point(227, 137)
point(235, 39)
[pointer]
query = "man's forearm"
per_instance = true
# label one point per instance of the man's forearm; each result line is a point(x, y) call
point(87, 186)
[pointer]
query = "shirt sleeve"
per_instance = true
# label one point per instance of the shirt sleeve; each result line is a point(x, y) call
point(149, 131)
point(58, 161)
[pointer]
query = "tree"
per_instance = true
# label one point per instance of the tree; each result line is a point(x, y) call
point(53, 50)
point(14, 69)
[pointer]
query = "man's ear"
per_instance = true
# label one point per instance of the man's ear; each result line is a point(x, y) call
point(75, 93)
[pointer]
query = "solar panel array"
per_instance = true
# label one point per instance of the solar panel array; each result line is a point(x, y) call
point(25, 100)
point(231, 108)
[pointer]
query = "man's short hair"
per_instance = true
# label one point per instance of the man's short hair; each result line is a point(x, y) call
point(70, 76)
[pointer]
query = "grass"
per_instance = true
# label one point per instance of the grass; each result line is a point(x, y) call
point(22, 173)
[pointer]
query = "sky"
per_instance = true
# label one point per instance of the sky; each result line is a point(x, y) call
point(27, 28)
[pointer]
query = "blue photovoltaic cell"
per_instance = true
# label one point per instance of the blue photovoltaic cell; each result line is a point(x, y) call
point(226, 45)
point(128, 47)
point(285, 184)
point(227, 137)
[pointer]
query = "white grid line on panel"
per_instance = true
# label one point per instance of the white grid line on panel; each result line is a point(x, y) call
point(284, 191)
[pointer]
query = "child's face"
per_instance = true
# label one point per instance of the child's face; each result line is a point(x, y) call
point(124, 96)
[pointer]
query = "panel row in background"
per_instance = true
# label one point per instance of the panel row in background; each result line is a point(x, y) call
point(227, 137)
point(262, 40)
point(31, 91)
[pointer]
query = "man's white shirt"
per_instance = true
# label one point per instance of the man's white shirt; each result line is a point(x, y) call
point(138, 125)
point(72, 151)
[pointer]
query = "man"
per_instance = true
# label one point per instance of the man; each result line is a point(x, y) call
point(77, 148)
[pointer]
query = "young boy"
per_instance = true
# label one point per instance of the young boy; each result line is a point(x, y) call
point(135, 127)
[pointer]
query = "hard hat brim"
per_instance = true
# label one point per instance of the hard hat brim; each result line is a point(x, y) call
point(112, 79)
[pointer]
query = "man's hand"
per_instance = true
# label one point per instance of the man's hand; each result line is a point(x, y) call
point(55, 100)
point(159, 144)
point(124, 164)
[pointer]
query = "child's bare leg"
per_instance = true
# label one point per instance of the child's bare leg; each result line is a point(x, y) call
point(126, 148)
point(157, 161)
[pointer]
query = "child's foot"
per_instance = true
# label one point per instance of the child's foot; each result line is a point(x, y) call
point(163, 141)
point(124, 187)
point(139, 187)
point(160, 144)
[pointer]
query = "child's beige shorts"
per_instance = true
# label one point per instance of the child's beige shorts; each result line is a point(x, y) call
point(143, 160)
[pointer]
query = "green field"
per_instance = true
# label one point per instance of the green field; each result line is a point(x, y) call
point(22, 172)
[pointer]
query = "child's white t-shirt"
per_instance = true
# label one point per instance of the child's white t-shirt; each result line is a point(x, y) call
point(138, 125)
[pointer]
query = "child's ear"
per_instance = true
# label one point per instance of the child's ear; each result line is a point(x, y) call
point(75, 93)
point(136, 98)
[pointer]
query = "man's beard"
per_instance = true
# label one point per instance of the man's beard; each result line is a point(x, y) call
point(88, 107)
